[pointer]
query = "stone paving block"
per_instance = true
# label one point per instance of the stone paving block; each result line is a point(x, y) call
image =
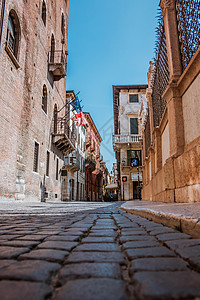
point(71, 233)
point(140, 244)
point(6, 262)
point(17, 243)
point(156, 231)
point(33, 237)
point(9, 237)
point(102, 227)
point(195, 262)
point(149, 252)
point(12, 252)
point(127, 238)
point(98, 239)
point(157, 264)
point(130, 229)
point(167, 285)
point(69, 238)
point(79, 257)
point(173, 236)
point(48, 232)
point(30, 270)
point(88, 270)
point(129, 233)
point(182, 243)
point(189, 251)
point(46, 254)
point(103, 233)
point(90, 289)
point(99, 247)
point(18, 290)
point(61, 245)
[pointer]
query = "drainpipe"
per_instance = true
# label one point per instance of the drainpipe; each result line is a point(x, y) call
point(2, 19)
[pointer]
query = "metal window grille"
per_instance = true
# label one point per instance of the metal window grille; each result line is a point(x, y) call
point(35, 158)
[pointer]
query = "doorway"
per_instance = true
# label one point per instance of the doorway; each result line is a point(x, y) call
point(135, 190)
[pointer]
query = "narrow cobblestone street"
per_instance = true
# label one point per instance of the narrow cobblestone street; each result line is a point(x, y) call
point(100, 253)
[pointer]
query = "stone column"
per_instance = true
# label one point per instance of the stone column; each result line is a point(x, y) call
point(174, 103)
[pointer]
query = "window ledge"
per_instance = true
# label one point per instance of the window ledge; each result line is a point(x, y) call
point(12, 56)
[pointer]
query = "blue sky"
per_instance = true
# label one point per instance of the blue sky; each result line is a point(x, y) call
point(110, 42)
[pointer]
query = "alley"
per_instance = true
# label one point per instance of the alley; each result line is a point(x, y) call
point(98, 253)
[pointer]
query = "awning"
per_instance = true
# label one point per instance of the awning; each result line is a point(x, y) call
point(112, 186)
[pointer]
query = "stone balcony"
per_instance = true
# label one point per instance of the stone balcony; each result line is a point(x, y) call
point(120, 139)
point(57, 64)
point(72, 162)
point(62, 136)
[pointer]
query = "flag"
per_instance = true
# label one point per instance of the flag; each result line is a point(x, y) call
point(78, 119)
point(76, 104)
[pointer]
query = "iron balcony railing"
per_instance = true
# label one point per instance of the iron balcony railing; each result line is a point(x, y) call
point(57, 62)
point(61, 127)
point(72, 161)
point(57, 57)
point(90, 161)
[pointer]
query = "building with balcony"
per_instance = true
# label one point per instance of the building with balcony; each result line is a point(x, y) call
point(34, 133)
point(93, 169)
point(73, 183)
point(127, 101)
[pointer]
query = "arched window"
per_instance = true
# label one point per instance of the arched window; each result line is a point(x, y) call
point(44, 99)
point(55, 118)
point(44, 13)
point(63, 26)
point(13, 33)
point(53, 45)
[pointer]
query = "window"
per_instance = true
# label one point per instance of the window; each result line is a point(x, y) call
point(55, 118)
point(44, 99)
point(35, 157)
point(13, 34)
point(53, 47)
point(44, 13)
point(133, 126)
point(133, 98)
point(63, 26)
point(134, 158)
point(57, 169)
point(47, 163)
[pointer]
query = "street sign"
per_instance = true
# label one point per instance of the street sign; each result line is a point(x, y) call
point(134, 162)
point(124, 178)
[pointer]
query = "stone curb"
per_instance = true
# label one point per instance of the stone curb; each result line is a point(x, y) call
point(185, 224)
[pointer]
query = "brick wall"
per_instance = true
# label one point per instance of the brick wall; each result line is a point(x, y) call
point(22, 120)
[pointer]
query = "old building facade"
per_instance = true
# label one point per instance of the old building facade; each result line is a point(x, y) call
point(171, 137)
point(33, 57)
point(127, 101)
point(93, 168)
point(74, 162)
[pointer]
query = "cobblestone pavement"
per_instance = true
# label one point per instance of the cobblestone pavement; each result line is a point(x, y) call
point(102, 253)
